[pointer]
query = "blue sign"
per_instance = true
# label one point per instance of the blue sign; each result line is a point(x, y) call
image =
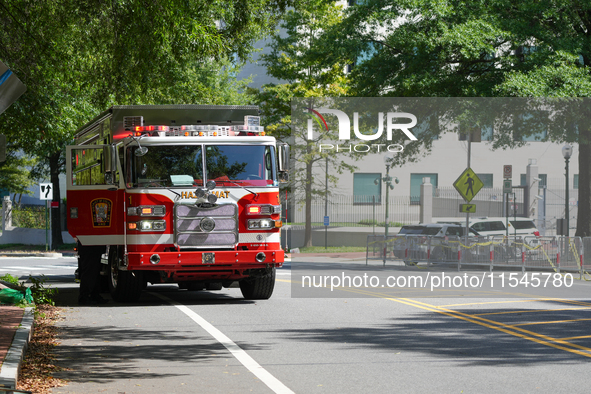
point(326, 221)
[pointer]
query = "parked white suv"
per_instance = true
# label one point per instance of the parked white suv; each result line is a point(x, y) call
point(419, 234)
point(434, 229)
point(495, 226)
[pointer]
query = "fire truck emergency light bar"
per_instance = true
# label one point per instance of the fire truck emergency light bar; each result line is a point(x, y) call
point(250, 128)
point(199, 131)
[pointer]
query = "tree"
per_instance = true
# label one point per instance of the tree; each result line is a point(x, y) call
point(474, 49)
point(294, 59)
point(77, 58)
point(14, 174)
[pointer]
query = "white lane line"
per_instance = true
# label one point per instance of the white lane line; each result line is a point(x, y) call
point(40, 267)
point(271, 381)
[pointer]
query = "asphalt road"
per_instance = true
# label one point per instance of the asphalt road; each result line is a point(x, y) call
point(175, 341)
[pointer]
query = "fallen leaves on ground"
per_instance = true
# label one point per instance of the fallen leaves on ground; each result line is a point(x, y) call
point(38, 367)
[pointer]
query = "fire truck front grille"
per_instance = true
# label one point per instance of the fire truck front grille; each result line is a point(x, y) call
point(202, 240)
point(206, 226)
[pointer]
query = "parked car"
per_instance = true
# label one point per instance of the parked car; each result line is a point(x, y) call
point(412, 241)
point(435, 229)
point(495, 226)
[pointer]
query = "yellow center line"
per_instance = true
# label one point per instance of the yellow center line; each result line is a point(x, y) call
point(530, 335)
point(579, 337)
point(546, 322)
point(476, 319)
point(530, 311)
point(488, 302)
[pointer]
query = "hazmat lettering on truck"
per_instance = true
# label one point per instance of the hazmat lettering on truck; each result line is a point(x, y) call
point(185, 194)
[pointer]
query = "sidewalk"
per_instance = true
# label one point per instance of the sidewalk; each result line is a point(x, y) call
point(16, 327)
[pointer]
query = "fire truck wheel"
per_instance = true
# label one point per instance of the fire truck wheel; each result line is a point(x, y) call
point(258, 288)
point(124, 285)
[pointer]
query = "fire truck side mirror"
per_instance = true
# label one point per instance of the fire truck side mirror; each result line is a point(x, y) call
point(283, 158)
point(110, 162)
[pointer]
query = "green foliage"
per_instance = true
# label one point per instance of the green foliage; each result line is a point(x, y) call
point(78, 58)
point(14, 174)
point(498, 48)
point(295, 58)
point(370, 222)
point(29, 217)
point(10, 279)
point(41, 293)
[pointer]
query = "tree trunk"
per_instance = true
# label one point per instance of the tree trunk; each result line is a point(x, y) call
point(56, 223)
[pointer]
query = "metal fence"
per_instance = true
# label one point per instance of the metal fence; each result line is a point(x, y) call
point(528, 253)
point(350, 211)
point(551, 204)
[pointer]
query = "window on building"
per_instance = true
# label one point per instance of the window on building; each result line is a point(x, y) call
point(416, 180)
point(543, 178)
point(532, 126)
point(483, 133)
point(487, 179)
point(576, 181)
point(427, 124)
point(363, 55)
point(366, 187)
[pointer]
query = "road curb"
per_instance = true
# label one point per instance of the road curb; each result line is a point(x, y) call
point(10, 368)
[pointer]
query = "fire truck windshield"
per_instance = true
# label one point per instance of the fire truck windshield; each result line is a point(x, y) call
point(194, 165)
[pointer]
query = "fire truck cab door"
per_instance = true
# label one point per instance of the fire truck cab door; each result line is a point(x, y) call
point(94, 194)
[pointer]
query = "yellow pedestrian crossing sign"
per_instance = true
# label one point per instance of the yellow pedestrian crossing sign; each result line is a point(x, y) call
point(468, 208)
point(468, 184)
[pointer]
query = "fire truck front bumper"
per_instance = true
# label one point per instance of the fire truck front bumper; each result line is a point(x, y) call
point(192, 260)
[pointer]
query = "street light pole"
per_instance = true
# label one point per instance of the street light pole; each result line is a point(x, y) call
point(388, 181)
point(567, 151)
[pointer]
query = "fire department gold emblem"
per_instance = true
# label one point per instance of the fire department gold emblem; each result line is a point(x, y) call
point(101, 212)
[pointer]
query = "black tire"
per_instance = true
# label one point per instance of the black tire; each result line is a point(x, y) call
point(258, 288)
point(124, 285)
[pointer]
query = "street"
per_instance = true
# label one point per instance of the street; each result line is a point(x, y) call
point(176, 341)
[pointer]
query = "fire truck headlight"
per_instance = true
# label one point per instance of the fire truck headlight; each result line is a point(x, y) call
point(210, 185)
point(132, 211)
point(158, 225)
point(149, 225)
point(261, 224)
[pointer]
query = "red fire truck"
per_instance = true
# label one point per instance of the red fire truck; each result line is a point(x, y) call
point(185, 194)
